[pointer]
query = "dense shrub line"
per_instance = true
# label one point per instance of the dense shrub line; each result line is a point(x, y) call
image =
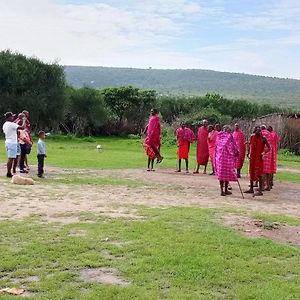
point(28, 83)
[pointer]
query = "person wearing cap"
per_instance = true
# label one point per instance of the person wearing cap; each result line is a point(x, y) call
point(11, 139)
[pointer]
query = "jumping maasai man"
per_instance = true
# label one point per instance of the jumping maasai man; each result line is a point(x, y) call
point(256, 152)
point(185, 136)
point(211, 141)
point(225, 159)
point(240, 141)
point(268, 159)
point(274, 147)
point(153, 134)
point(202, 147)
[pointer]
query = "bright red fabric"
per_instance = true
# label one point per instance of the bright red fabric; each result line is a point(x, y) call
point(268, 157)
point(202, 146)
point(240, 141)
point(185, 136)
point(225, 157)
point(154, 131)
point(256, 165)
point(211, 141)
point(275, 140)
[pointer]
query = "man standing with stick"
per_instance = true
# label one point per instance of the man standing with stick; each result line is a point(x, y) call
point(225, 159)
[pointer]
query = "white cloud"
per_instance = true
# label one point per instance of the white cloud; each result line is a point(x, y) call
point(146, 33)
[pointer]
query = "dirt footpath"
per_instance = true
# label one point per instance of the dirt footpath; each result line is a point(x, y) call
point(69, 203)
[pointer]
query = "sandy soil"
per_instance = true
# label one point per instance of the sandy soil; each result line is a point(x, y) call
point(281, 233)
point(67, 203)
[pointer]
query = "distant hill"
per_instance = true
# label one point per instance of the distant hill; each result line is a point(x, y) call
point(279, 91)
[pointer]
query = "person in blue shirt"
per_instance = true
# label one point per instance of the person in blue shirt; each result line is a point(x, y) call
point(41, 153)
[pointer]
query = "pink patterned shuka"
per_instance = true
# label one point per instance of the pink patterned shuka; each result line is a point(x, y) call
point(225, 157)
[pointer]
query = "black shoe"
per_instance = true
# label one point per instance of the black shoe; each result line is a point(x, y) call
point(41, 176)
point(9, 175)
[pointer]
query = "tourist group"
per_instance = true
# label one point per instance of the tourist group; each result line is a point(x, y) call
point(18, 143)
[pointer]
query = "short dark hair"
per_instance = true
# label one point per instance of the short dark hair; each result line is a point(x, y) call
point(8, 114)
point(41, 132)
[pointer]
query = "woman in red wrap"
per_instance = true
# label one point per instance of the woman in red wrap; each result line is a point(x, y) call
point(185, 136)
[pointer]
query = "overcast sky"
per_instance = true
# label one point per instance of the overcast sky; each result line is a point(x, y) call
point(247, 36)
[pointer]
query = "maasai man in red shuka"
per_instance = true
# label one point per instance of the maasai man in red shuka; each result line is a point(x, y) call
point(268, 158)
point(256, 152)
point(274, 147)
point(185, 136)
point(225, 159)
point(153, 134)
point(202, 147)
point(240, 141)
point(211, 142)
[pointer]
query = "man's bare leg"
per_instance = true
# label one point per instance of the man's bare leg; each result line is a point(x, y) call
point(268, 182)
point(149, 162)
point(15, 164)
point(9, 165)
point(226, 188)
point(260, 187)
point(186, 165)
point(197, 170)
point(204, 172)
point(238, 173)
point(179, 165)
point(152, 165)
point(251, 190)
point(157, 153)
point(222, 188)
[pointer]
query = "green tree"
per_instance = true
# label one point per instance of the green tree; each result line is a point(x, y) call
point(27, 83)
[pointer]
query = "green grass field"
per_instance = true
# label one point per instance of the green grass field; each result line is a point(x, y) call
point(171, 253)
point(121, 153)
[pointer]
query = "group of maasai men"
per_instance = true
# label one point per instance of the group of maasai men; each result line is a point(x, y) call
point(225, 149)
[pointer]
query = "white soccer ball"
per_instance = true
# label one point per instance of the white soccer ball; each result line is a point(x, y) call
point(98, 147)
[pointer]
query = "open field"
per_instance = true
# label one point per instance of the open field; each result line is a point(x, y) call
point(101, 227)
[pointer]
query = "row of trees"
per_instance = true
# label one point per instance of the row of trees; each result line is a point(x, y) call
point(28, 83)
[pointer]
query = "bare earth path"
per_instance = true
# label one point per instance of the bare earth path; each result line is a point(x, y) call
point(67, 202)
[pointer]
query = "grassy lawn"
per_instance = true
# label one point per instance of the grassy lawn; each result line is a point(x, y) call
point(171, 253)
point(178, 253)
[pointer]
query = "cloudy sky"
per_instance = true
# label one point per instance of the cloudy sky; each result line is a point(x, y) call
point(248, 36)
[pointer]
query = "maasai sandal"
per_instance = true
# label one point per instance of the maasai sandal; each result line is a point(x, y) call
point(223, 194)
point(249, 192)
point(204, 172)
point(187, 171)
point(196, 172)
point(148, 170)
point(228, 193)
point(258, 194)
point(152, 170)
point(177, 171)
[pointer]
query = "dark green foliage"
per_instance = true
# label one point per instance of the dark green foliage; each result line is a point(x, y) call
point(28, 83)
point(86, 111)
point(129, 103)
point(259, 89)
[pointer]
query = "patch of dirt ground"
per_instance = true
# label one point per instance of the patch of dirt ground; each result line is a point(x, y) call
point(104, 276)
point(281, 233)
point(66, 203)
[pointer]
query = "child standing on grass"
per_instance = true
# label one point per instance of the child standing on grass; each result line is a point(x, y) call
point(41, 153)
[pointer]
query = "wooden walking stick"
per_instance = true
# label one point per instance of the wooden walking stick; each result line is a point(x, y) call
point(241, 189)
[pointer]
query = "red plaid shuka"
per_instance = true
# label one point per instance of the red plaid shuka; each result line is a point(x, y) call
point(240, 141)
point(225, 157)
point(268, 157)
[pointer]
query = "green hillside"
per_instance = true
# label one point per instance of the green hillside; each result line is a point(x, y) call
point(277, 91)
